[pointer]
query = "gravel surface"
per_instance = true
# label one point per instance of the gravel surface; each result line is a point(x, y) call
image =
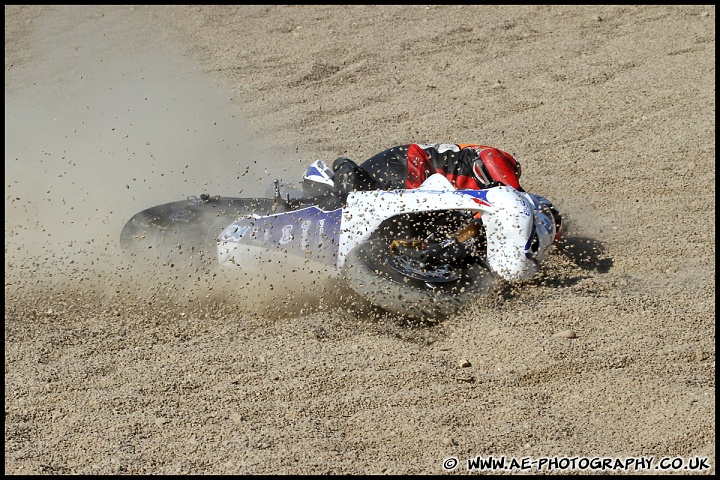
point(113, 367)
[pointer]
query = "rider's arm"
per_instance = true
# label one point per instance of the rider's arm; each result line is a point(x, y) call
point(453, 161)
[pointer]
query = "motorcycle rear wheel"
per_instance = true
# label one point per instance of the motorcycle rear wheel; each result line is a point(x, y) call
point(369, 271)
point(185, 232)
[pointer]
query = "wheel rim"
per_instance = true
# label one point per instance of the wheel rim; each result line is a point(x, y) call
point(395, 282)
point(413, 267)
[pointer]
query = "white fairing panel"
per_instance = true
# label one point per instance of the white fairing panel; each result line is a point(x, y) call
point(510, 230)
point(365, 211)
point(520, 233)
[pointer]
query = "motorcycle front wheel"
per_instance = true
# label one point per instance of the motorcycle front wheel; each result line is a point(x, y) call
point(398, 283)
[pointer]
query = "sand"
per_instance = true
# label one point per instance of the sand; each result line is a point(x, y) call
point(111, 367)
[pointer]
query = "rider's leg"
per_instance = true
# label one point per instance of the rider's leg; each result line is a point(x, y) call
point(318, 180)
point(349, 176)
point(388, 168)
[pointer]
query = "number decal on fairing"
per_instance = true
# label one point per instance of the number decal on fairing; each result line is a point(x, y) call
point(235, 233)
point(287, 235)
point(305, 229)
point(526, 209)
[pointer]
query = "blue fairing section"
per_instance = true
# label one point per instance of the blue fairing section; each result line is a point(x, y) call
point(311, 232)
point(528, 246)
point(546, 224)
point(313, 171)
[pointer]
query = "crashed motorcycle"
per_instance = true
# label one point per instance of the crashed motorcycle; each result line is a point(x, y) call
point(421, 253)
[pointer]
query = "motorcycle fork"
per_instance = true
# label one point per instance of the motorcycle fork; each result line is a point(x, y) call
point(469, 231)
point(396, 244)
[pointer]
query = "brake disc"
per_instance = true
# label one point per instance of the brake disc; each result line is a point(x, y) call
point(413, 266)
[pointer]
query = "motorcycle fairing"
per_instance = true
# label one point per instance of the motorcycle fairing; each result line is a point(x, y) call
point(366, 211)
point(509, 217)
point(545, 224)
point(519, 232)
point(310, 232)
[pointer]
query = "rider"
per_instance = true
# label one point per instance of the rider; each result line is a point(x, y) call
point(467, 166)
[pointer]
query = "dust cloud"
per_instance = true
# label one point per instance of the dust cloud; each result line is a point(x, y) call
point(95, 131)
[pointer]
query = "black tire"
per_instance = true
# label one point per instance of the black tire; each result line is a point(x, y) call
point(367, 271)
point(185, 232)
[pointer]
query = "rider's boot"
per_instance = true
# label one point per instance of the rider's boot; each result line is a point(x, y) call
point(318, 180)
point(349, 176)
